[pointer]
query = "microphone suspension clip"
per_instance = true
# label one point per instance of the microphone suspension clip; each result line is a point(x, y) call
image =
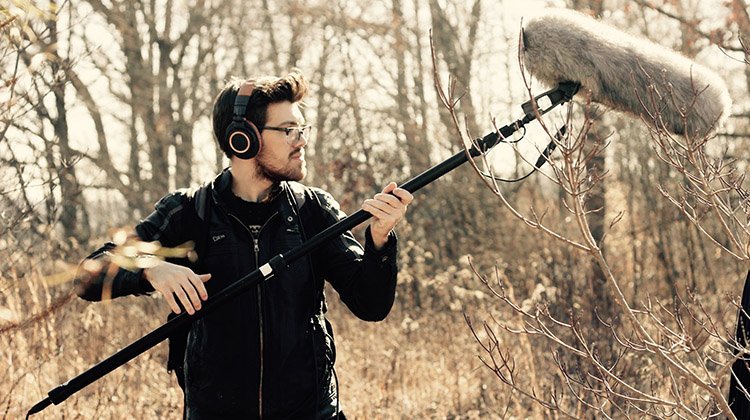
point(548, 100)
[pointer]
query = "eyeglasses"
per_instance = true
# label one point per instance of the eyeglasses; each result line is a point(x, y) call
point(293, 134)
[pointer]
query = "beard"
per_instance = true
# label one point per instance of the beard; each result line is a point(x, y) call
point(289, 172)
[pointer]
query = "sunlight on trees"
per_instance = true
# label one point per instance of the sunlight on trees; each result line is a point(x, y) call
point(605, 285)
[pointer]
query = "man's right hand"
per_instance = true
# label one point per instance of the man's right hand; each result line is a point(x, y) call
point(175, 280)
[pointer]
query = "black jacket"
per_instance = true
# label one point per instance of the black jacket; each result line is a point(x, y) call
point(270, 351)
point(739, 379)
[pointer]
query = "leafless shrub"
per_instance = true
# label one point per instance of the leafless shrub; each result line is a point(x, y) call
point(682, 343)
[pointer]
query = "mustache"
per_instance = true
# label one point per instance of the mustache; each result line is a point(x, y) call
point(295, 151)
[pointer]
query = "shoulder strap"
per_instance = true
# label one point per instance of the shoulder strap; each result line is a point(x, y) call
point(200, 201)
point(309, 221)
point(309, 208)
point(298, 191)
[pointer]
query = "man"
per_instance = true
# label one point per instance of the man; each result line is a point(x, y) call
point(268, 353)
point(739, 376)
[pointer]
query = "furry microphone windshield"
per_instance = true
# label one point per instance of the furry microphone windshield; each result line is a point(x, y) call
point(624, 72)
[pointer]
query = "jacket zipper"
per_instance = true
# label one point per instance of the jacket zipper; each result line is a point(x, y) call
point(256, 250)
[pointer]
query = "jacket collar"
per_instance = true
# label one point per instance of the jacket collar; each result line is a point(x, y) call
point(286, 203)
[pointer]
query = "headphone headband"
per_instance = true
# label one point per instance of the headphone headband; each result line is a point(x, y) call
point(242, 99)
point(247, 88)
point(242, 136)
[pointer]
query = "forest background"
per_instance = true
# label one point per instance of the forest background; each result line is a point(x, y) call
point(606, 286)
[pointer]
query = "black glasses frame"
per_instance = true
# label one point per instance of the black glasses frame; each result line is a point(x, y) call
point(303, 130)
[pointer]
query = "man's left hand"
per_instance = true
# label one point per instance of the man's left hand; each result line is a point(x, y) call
point(387, 210)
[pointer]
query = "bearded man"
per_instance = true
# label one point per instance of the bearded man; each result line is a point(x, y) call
point(269, 352)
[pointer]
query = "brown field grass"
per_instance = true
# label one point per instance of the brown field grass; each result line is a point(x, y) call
point(421, 362)
point(416, 364)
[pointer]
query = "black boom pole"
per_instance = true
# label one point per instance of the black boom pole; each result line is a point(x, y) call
point(541, 105)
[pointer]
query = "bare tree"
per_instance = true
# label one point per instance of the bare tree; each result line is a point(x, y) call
point(36, 113)
point(167, 68)
point(684, 343)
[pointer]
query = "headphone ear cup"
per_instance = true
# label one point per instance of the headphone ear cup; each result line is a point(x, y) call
point(243, 139)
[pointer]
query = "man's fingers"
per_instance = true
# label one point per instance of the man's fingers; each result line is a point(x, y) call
point(189, 288)
point(389, 199)
point(390, 187)
point(169, 297)
point(184, 300)
point(198, 285)
point(401, 194)
point(181, 287)
point(405, 196)
point(378, 213)
point(380, 206)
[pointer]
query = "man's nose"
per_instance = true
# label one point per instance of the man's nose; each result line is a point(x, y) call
point(301, 140)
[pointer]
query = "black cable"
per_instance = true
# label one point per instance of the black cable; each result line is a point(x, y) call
point(514, 141)
point(543, 157)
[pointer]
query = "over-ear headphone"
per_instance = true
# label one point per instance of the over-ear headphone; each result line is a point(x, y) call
point(242, 135)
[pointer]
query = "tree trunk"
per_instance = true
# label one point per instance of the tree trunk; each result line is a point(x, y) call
point(72, 219)
point(457, 57)
point(417, 150)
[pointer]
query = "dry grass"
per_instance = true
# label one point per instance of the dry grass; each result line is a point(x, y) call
point(422, 362)
point(418, 363)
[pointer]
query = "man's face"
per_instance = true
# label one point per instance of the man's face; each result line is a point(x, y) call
point(279, 160)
